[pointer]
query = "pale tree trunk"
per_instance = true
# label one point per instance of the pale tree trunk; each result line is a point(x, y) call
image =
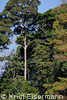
point(25, 47)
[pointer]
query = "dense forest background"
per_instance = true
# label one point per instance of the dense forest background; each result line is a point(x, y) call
point(46, 49)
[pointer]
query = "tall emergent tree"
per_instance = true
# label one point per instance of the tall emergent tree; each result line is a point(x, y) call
point(21, 14)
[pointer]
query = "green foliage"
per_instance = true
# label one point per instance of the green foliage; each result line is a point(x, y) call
point(17, 87)
point(59, 88)
point(20, 39)
point(39, 58)
point(46, 49)
point(4, 40)
point(20, 15)
point(12, 81)
point(60, 35)
point(46, 20)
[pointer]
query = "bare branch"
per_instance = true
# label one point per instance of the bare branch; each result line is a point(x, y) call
point(42, 28)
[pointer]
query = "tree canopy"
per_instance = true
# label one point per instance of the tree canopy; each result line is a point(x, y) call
point(46, 37)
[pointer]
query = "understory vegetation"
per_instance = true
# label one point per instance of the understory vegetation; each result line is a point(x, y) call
point(46, 35)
